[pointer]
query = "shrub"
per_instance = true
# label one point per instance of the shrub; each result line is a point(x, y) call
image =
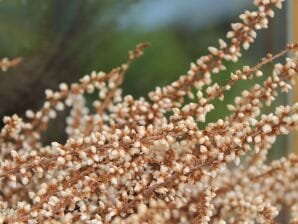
point(146, 160)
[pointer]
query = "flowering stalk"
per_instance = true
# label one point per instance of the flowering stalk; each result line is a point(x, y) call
point(5, 63)
point(138, 160)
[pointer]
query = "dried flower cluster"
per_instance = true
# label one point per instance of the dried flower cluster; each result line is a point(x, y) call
point(147, 161)
point(5, 63)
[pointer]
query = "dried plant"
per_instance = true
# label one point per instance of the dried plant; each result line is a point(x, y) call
point(147, 161)
point(5, 63)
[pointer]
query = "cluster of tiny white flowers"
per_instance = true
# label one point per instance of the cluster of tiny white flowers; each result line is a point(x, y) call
point(294, 212)
point(5, 63)
point(147, 161)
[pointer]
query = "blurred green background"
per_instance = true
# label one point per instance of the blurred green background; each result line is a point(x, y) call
point(61, 40)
